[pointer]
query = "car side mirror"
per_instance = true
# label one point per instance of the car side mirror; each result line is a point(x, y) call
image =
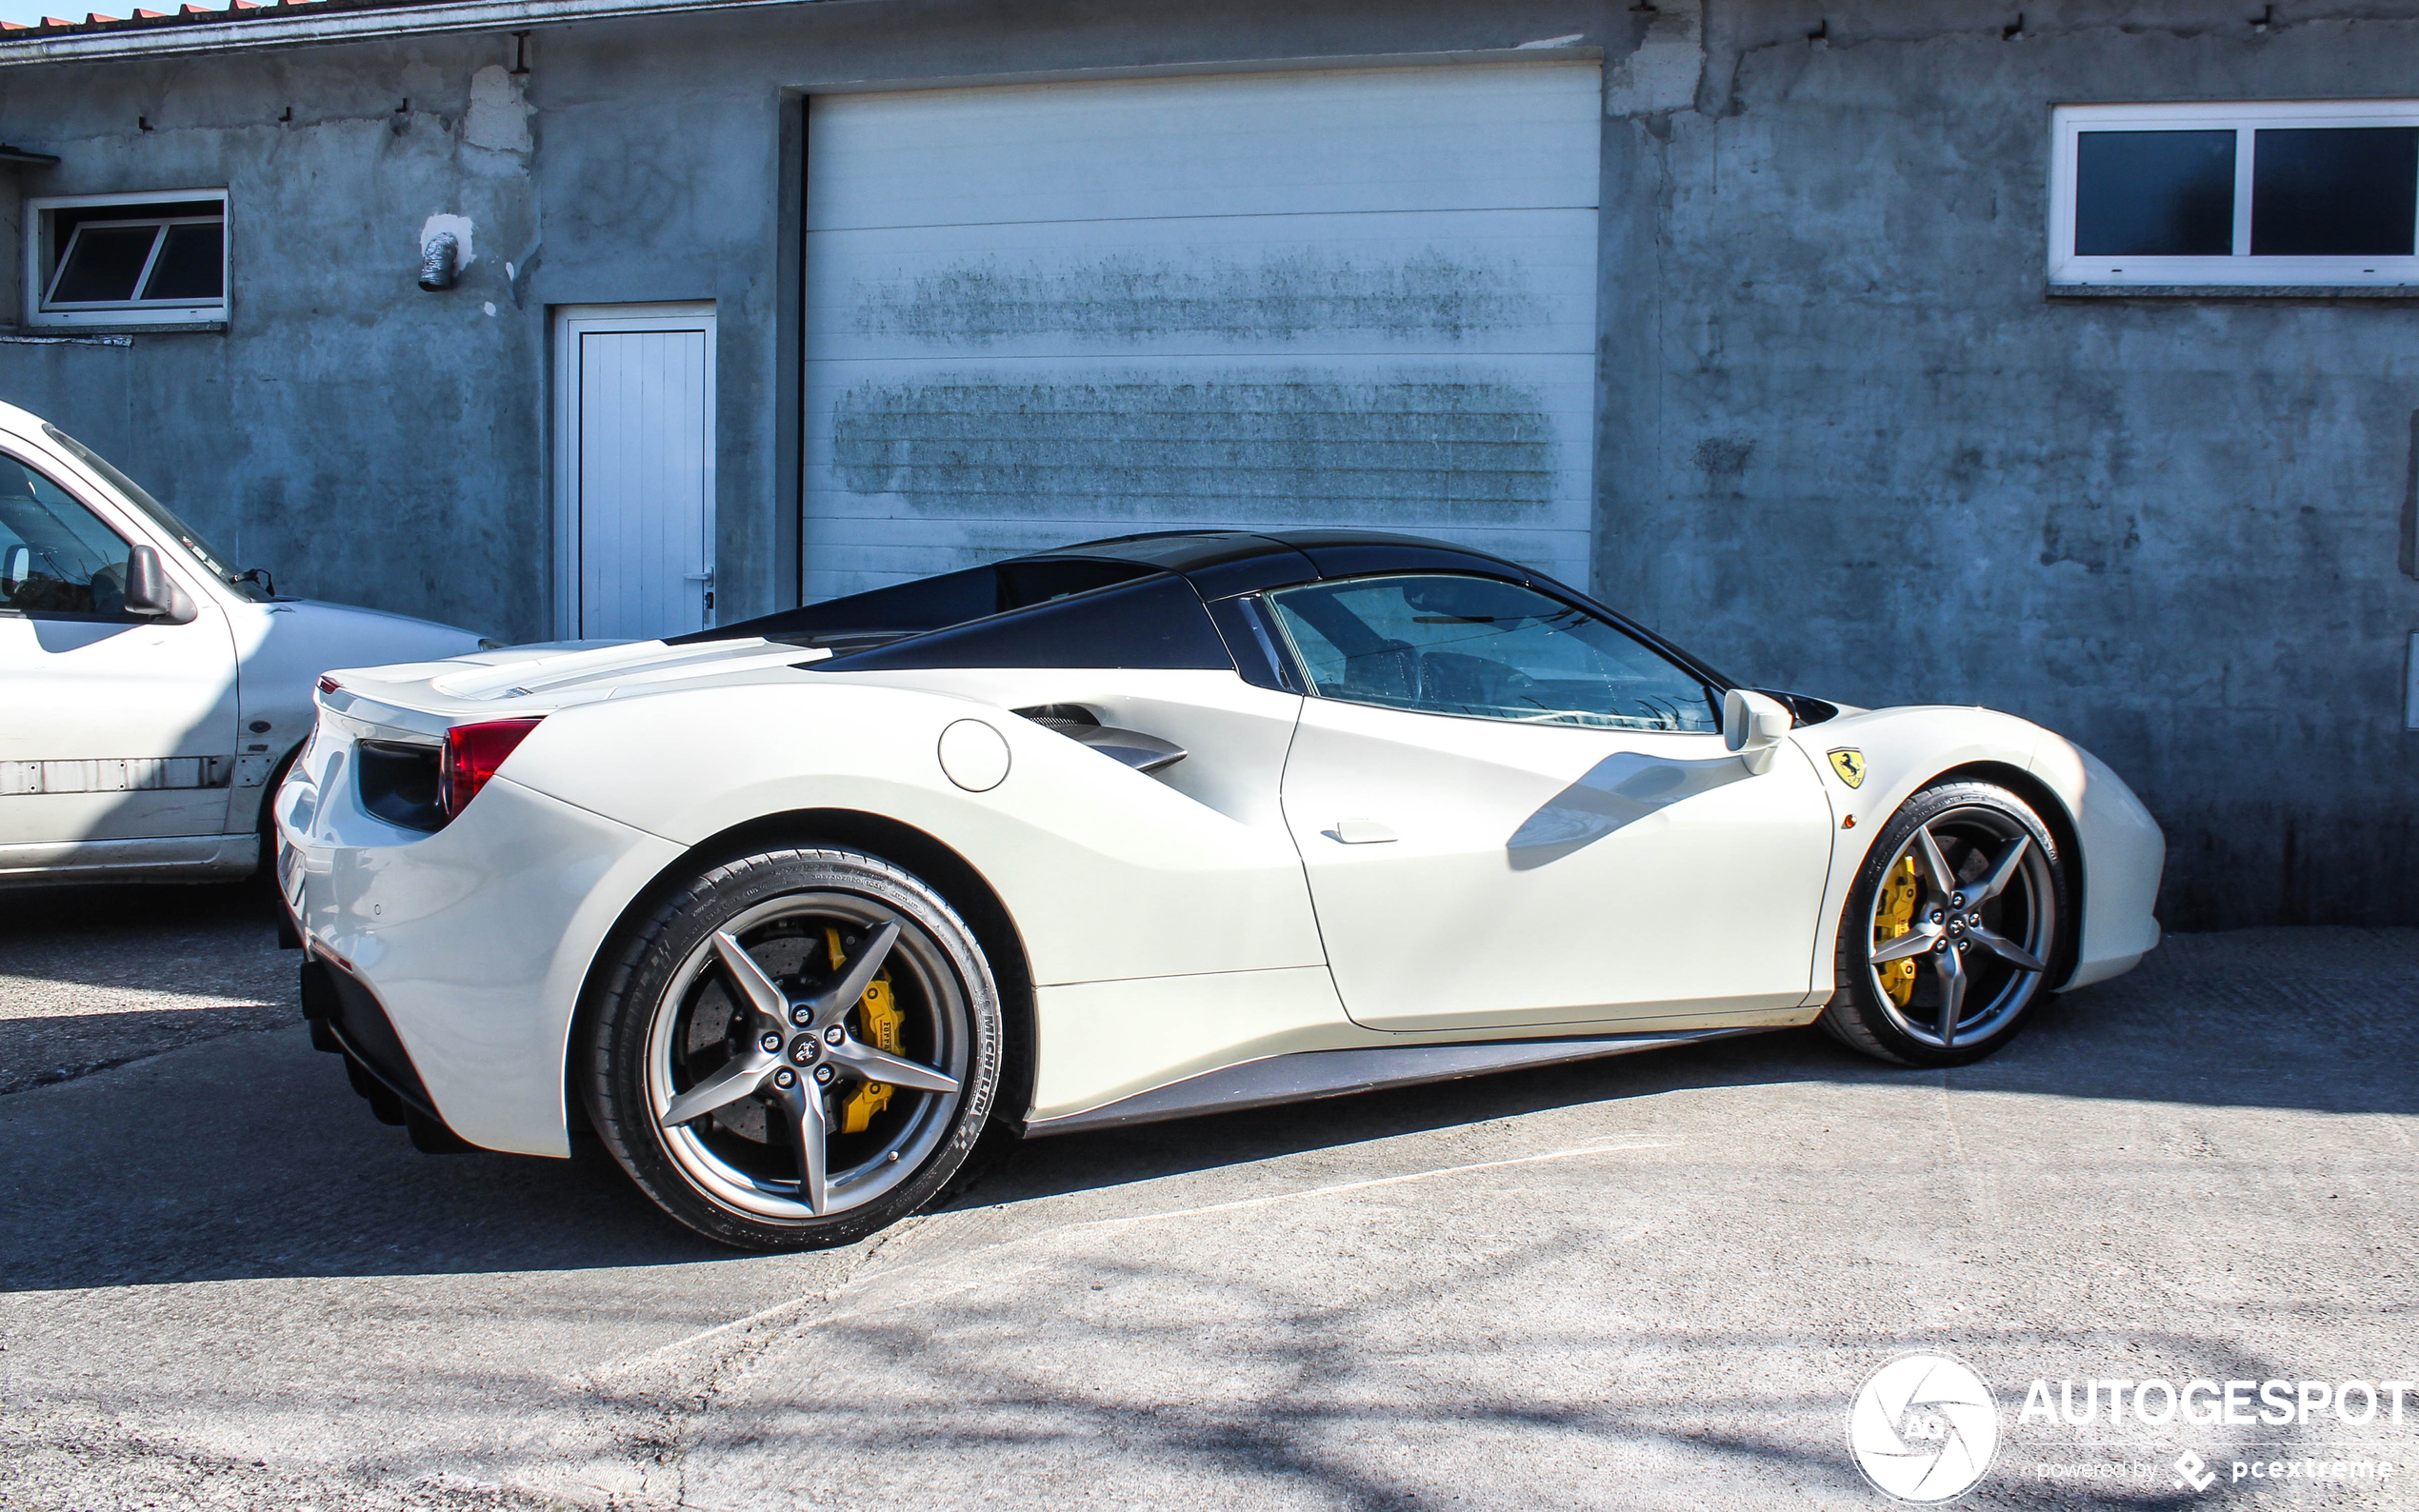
point(1753, 726)
point(150, 594)
point(16, 569)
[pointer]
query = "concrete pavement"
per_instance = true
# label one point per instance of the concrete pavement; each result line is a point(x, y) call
point(1643, 1282)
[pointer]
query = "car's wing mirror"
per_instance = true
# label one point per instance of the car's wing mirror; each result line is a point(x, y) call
point(150, 594)
point(16, 569)
point(1753, 726)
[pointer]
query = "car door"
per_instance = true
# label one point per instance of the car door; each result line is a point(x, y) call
point(115, 728)
point(1513, 812)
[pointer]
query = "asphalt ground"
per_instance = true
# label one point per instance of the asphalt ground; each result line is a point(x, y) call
point(1652, 1282)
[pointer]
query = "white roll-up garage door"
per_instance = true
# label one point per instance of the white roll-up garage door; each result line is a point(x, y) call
point(1044, 313)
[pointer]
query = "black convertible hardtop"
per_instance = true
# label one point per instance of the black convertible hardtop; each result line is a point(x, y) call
point(1169, 599)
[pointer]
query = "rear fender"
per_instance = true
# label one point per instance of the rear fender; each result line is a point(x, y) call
point(1108, 872)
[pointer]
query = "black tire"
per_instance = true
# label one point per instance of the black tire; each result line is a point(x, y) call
point(663, 1026)
point(265, 822)
point(1977, 828)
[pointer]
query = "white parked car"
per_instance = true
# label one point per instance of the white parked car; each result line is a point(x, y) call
point(789, 912)
point(153, 691)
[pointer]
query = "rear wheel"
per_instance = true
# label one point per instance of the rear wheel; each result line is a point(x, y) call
point(796, 1049)
point(1952, 930)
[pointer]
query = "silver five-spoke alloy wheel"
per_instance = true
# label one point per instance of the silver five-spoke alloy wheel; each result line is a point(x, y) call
point(731, 1033)
point(1959, 909)
point(1953, 932)
point(797, 1047)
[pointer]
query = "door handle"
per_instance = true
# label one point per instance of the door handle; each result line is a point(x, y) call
point(1361, 832)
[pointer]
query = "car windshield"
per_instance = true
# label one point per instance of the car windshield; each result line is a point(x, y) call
point(177, 529)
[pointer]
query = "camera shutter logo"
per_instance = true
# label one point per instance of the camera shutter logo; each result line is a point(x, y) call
point(1923, 1428)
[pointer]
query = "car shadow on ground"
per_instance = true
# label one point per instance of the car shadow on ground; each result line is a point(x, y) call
point(2316, 1018)
point(220, 1155)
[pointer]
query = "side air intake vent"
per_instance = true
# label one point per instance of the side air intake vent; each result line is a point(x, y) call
point(1144, 754)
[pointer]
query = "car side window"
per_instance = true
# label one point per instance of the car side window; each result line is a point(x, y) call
point(1481, 647)
point(55, 556)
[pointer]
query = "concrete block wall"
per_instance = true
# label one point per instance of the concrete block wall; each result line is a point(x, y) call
point(1851, 443)
point(364, 440)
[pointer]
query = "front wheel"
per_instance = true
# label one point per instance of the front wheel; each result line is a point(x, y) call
point(796, 1049)
point(1950, 936)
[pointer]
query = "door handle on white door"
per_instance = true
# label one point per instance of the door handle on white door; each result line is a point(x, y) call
point(1361, 832)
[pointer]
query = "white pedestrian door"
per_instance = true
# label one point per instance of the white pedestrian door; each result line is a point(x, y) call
point(635, 471)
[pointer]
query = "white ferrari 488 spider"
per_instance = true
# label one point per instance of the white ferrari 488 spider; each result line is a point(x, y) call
point(790, 914)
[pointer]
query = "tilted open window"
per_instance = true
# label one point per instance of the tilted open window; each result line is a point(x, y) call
point(2262, 194)
point(127, 259)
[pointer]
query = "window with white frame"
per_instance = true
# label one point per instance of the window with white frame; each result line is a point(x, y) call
point(127, 259)
point(2272, 193)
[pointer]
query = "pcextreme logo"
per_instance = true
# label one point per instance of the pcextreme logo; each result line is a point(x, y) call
point(1923, 1427)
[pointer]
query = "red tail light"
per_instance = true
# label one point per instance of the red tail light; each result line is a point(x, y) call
point(328, 684)
point(473, 752)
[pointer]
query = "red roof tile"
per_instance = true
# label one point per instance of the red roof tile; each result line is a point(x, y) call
point(193, 14)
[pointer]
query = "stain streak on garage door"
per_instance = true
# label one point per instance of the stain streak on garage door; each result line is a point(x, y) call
point(1281, 296)
point(1342, 453)
point(1041, 312)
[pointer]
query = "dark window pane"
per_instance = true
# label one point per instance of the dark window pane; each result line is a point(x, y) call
point(2154, 194)
point(928, 604)
point(2334, 192)
point(55, 558)
point(103, 263)
point(190, 265)
point(1155, 622)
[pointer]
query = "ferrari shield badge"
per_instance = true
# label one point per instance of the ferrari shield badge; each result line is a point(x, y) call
point(1849, 762)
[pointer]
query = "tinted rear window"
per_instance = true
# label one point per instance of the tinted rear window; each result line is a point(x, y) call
point(930, 604)
point(1159, 622)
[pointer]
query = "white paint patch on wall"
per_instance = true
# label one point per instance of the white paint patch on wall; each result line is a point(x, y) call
point(499, 118)
point(438, 225)
point(1662, 75)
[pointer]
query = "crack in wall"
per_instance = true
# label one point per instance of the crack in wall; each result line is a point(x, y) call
point(1728, 45)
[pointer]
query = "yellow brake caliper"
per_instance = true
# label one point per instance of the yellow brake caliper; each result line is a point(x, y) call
point(1893, 915)
point(879, 1022)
